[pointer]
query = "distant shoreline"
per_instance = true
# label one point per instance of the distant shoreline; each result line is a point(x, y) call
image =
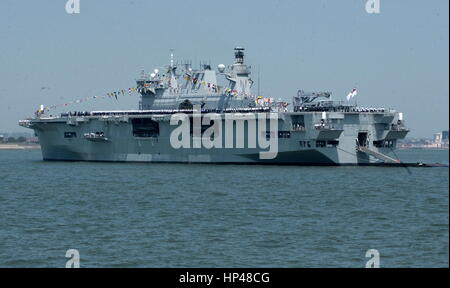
point(13, 146)
point(422, 148)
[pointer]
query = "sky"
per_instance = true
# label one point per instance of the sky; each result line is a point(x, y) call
point(397, 59)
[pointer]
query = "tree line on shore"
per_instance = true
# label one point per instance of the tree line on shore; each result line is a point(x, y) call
point(20, 139)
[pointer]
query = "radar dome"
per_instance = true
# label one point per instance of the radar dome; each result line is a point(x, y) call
point(221, 68)
point(152, 75)
point(156, 71)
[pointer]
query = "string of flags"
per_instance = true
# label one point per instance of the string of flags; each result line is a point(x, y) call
point(259, 100)
point(215, 88)
point(114, 94)
point(263, 101)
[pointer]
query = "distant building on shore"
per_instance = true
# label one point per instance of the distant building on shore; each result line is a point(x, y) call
point(437, 139)
point(445, 136)
point(7, 138)
point(440, 140)
point(32, 140)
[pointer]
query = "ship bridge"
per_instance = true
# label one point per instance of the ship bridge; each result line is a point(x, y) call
point(180, 86)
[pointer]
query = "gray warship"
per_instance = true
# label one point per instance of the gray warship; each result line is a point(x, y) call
point(312, 130)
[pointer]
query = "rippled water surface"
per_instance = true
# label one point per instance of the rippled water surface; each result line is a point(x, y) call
point(173, 215)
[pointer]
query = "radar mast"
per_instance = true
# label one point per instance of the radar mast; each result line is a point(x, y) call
point(239, 55)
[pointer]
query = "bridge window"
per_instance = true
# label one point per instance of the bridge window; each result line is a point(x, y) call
point(145, 127)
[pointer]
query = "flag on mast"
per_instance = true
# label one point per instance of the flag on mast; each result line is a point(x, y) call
point(352, 94)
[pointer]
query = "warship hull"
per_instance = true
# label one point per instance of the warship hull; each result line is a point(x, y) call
point(317, 131)
point(114, 139)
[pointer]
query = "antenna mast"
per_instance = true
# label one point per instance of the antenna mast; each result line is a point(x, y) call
point(259, 81)
point(171, 58)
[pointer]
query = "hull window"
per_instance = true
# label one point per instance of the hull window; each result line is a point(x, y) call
point(378, 143)
point(284, 134)
point(70, 135)
point(332, 143)
point(298, 122)
point(384, 144)
point(203, 127)
point(145, 127)
point(305, 144)
point(321, 143)
point(281, 134)
point(363, 139)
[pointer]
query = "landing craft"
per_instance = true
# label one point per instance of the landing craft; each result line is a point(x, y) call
point(312, 130)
